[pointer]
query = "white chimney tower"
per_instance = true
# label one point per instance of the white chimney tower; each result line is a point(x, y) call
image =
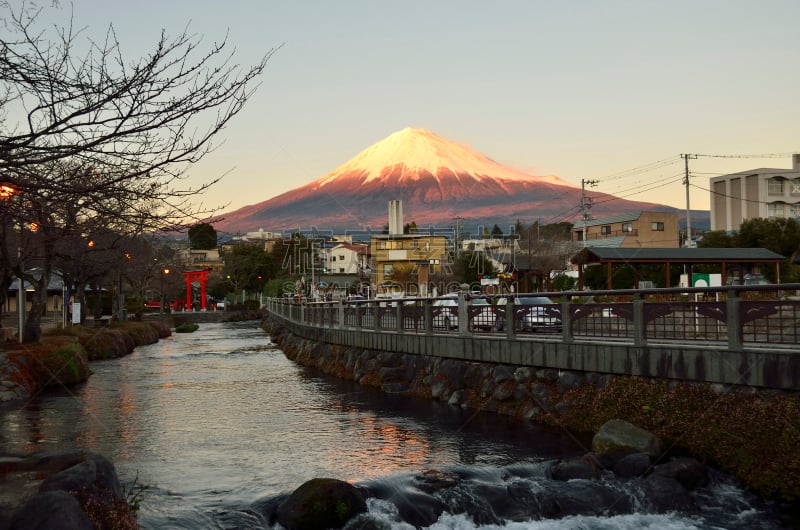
point(395, 218)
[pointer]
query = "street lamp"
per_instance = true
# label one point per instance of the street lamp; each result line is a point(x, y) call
point(163, 297)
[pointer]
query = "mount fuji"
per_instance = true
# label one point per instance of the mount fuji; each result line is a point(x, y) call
point(436, 179)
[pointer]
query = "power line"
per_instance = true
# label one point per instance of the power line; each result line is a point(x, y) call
point(650, 187)
point(641, 169)
point(769, 155)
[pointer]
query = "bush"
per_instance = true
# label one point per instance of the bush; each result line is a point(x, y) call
point(186, 327)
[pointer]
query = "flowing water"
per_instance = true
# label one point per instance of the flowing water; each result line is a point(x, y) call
point(219, 425)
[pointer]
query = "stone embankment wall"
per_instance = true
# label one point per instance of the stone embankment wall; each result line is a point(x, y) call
point(520, 391)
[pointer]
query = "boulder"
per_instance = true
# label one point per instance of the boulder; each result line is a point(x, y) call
point(664, 494)
point(321, 503)
point(689, 472)
point(574, 469)
point(632, 465)
point(581, 497)
point(96, 475)
point(52, 510)
point(621, 437)
point(568, 381)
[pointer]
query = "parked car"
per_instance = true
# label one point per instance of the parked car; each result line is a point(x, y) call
point(481, 313)
point(445, 312)
point(533, 313)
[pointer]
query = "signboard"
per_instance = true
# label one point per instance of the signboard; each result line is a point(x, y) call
point(700, 279)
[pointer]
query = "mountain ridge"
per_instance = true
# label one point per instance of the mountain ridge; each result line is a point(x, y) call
point(436, 179)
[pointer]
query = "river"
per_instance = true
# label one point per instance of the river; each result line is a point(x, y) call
point(218, 422)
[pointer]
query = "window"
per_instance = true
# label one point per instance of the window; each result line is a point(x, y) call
point(627, 227)
point(388, 270)
point(796, 187)
point(775, 209)
point(657, 226)
point(794, 210)
point(605, 230)
point(775, 186)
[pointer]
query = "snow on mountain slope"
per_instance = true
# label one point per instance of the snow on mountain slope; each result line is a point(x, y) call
point(409, 154)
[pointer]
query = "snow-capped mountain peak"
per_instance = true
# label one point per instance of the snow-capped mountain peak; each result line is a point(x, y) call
point(411, 153)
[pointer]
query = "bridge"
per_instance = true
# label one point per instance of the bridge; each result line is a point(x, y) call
point(734, 335)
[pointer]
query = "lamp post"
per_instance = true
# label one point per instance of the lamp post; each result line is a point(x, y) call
point(163, 296)
point(120, 295)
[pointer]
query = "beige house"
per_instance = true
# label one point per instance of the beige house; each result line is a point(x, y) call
point(404, 262)
point(638, 230)
point(757, 193)
point(195, 259)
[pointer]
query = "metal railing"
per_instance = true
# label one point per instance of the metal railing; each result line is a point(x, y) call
point(734, 316)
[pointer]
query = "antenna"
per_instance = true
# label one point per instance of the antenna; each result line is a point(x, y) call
point(586, 205)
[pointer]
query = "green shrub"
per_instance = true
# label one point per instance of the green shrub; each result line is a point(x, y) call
point(186, 327)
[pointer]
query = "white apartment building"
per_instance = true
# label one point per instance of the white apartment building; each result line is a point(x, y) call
point(763, 192)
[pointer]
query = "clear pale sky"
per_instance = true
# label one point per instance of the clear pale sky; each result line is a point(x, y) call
point(578, 89)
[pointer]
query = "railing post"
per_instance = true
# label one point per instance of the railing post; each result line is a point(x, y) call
point(639, 325)
point(511, 332)
point(734, 321)
point(463, 315)
point(566, 321)
point(398, 311)
point(427, 315)
point(376, 316)
point(341, 315)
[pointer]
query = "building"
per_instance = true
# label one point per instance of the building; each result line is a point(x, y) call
point(348, 258)
point(757, 193)
point(636, 230)
point(404, 262)
point(197, 259)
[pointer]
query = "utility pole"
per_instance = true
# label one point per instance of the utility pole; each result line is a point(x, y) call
point(689, 243)
point(586, 205)
point(457, 245)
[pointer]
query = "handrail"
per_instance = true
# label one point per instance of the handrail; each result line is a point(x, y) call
point(733, 317)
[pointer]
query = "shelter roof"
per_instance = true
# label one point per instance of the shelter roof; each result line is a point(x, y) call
point(676, 255)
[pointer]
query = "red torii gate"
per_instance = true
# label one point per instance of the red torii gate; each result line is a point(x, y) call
point(194, 276)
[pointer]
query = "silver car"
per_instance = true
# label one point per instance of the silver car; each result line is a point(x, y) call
point(481, 313)
point(532, 313)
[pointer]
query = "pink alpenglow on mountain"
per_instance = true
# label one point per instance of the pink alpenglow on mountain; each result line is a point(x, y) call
point(436, 179)
point(411, 155)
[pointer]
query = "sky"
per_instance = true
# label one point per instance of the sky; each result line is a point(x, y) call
point(610, 91)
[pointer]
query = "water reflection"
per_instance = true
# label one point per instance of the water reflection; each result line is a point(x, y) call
point(220, 415)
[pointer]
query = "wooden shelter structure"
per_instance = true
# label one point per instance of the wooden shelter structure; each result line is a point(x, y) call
point(635, 257)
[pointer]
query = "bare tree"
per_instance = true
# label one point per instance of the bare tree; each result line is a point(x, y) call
point(91, 139)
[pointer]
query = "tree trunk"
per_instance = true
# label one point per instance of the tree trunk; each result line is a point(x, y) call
point(33, 325)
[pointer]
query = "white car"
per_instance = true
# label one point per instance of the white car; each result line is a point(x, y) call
point(533, 313)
